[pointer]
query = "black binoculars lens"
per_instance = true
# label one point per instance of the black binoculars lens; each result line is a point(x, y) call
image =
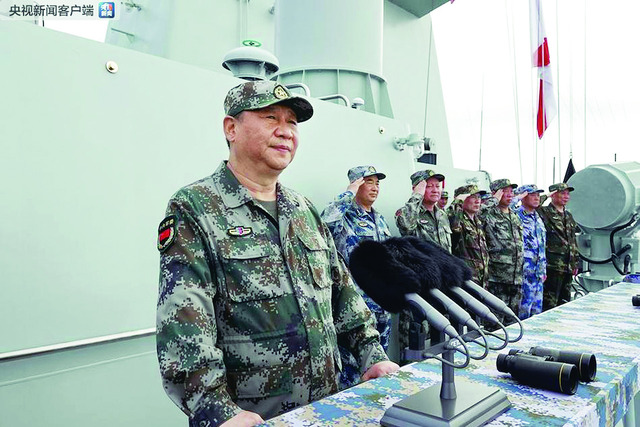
point(538, 371)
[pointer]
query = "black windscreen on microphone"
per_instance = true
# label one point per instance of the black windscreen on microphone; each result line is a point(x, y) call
point(381, 276)
point(453, 270)
point(388, 270)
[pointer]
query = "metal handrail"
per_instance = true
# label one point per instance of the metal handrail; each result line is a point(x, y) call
point(307, 91)
point(75, 344)
point(336, 96)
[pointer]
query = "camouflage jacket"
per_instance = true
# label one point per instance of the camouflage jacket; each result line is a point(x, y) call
point(469, 243)
point(535, 238)
point(413, 219)
point(562, 249)
point(249, 313)
point(503, 231)
point(349, 223)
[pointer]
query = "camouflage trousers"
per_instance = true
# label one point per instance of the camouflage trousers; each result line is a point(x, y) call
point(510, 294)
point(557, 289)
point(350, 374)
point(531, 295)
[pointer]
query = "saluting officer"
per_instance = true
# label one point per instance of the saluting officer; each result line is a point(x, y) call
point(352, 218)
point(421, 216)
point(503, 232)
point(467, 235)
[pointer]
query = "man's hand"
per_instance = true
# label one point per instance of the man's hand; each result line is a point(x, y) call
point(420, 187)
point(243, 419)
point(522, 195)
point(498, 194)
point(353, 187)
point(462, 197)
point(380, 369)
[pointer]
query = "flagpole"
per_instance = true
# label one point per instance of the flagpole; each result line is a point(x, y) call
point(558, 92)
point(585, 87)
point(426, 97)
point(514, 82)
point(481, 121)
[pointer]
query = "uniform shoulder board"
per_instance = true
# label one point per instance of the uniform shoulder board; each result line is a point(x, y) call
point(167, 231)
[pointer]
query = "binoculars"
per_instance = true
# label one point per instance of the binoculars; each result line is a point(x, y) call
point(549, 369)
point(635, 300)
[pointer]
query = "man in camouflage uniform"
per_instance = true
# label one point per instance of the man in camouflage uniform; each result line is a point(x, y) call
point(351, 218)
point(421, 217)
point(535, 261)
point(561, 249)
point(467, 236)
point(444, 198)
point(503, 232)
point(253, 294)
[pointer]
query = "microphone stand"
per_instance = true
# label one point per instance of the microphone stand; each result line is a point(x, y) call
point(443, 405)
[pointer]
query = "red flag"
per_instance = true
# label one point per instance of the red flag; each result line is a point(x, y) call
point(546, 108)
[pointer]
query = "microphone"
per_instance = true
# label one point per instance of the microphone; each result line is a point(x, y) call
point(495, 303)
point(433, 316)
point(474, 305)
point(454, 310)
point(377, 269)
point(461, 317)
point(453, 270)
point(488, 298)
point(384, 279)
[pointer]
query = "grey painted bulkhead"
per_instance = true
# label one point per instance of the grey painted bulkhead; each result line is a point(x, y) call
point(90, 159)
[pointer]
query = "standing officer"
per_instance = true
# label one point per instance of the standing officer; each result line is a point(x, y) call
point(444, 198)
point(467, 236)
point(351, 218)
point(535, 261)
point(561, 249)
point(253, 294)
point(421, 216)
point(503, 231)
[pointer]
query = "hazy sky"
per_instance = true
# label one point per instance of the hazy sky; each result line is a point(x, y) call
point(484, 56)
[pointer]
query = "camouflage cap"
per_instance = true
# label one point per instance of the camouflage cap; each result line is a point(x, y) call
point(470, 189)
point(499, 184)
point(444, 195)
point(559, 187)
point(416, 177)
point(363, 172)
point(263, 93)
point(529, 188)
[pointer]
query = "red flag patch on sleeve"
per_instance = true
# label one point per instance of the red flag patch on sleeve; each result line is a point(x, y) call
point(167, 231)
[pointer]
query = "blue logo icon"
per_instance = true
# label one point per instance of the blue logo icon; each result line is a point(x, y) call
point(107, 9)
